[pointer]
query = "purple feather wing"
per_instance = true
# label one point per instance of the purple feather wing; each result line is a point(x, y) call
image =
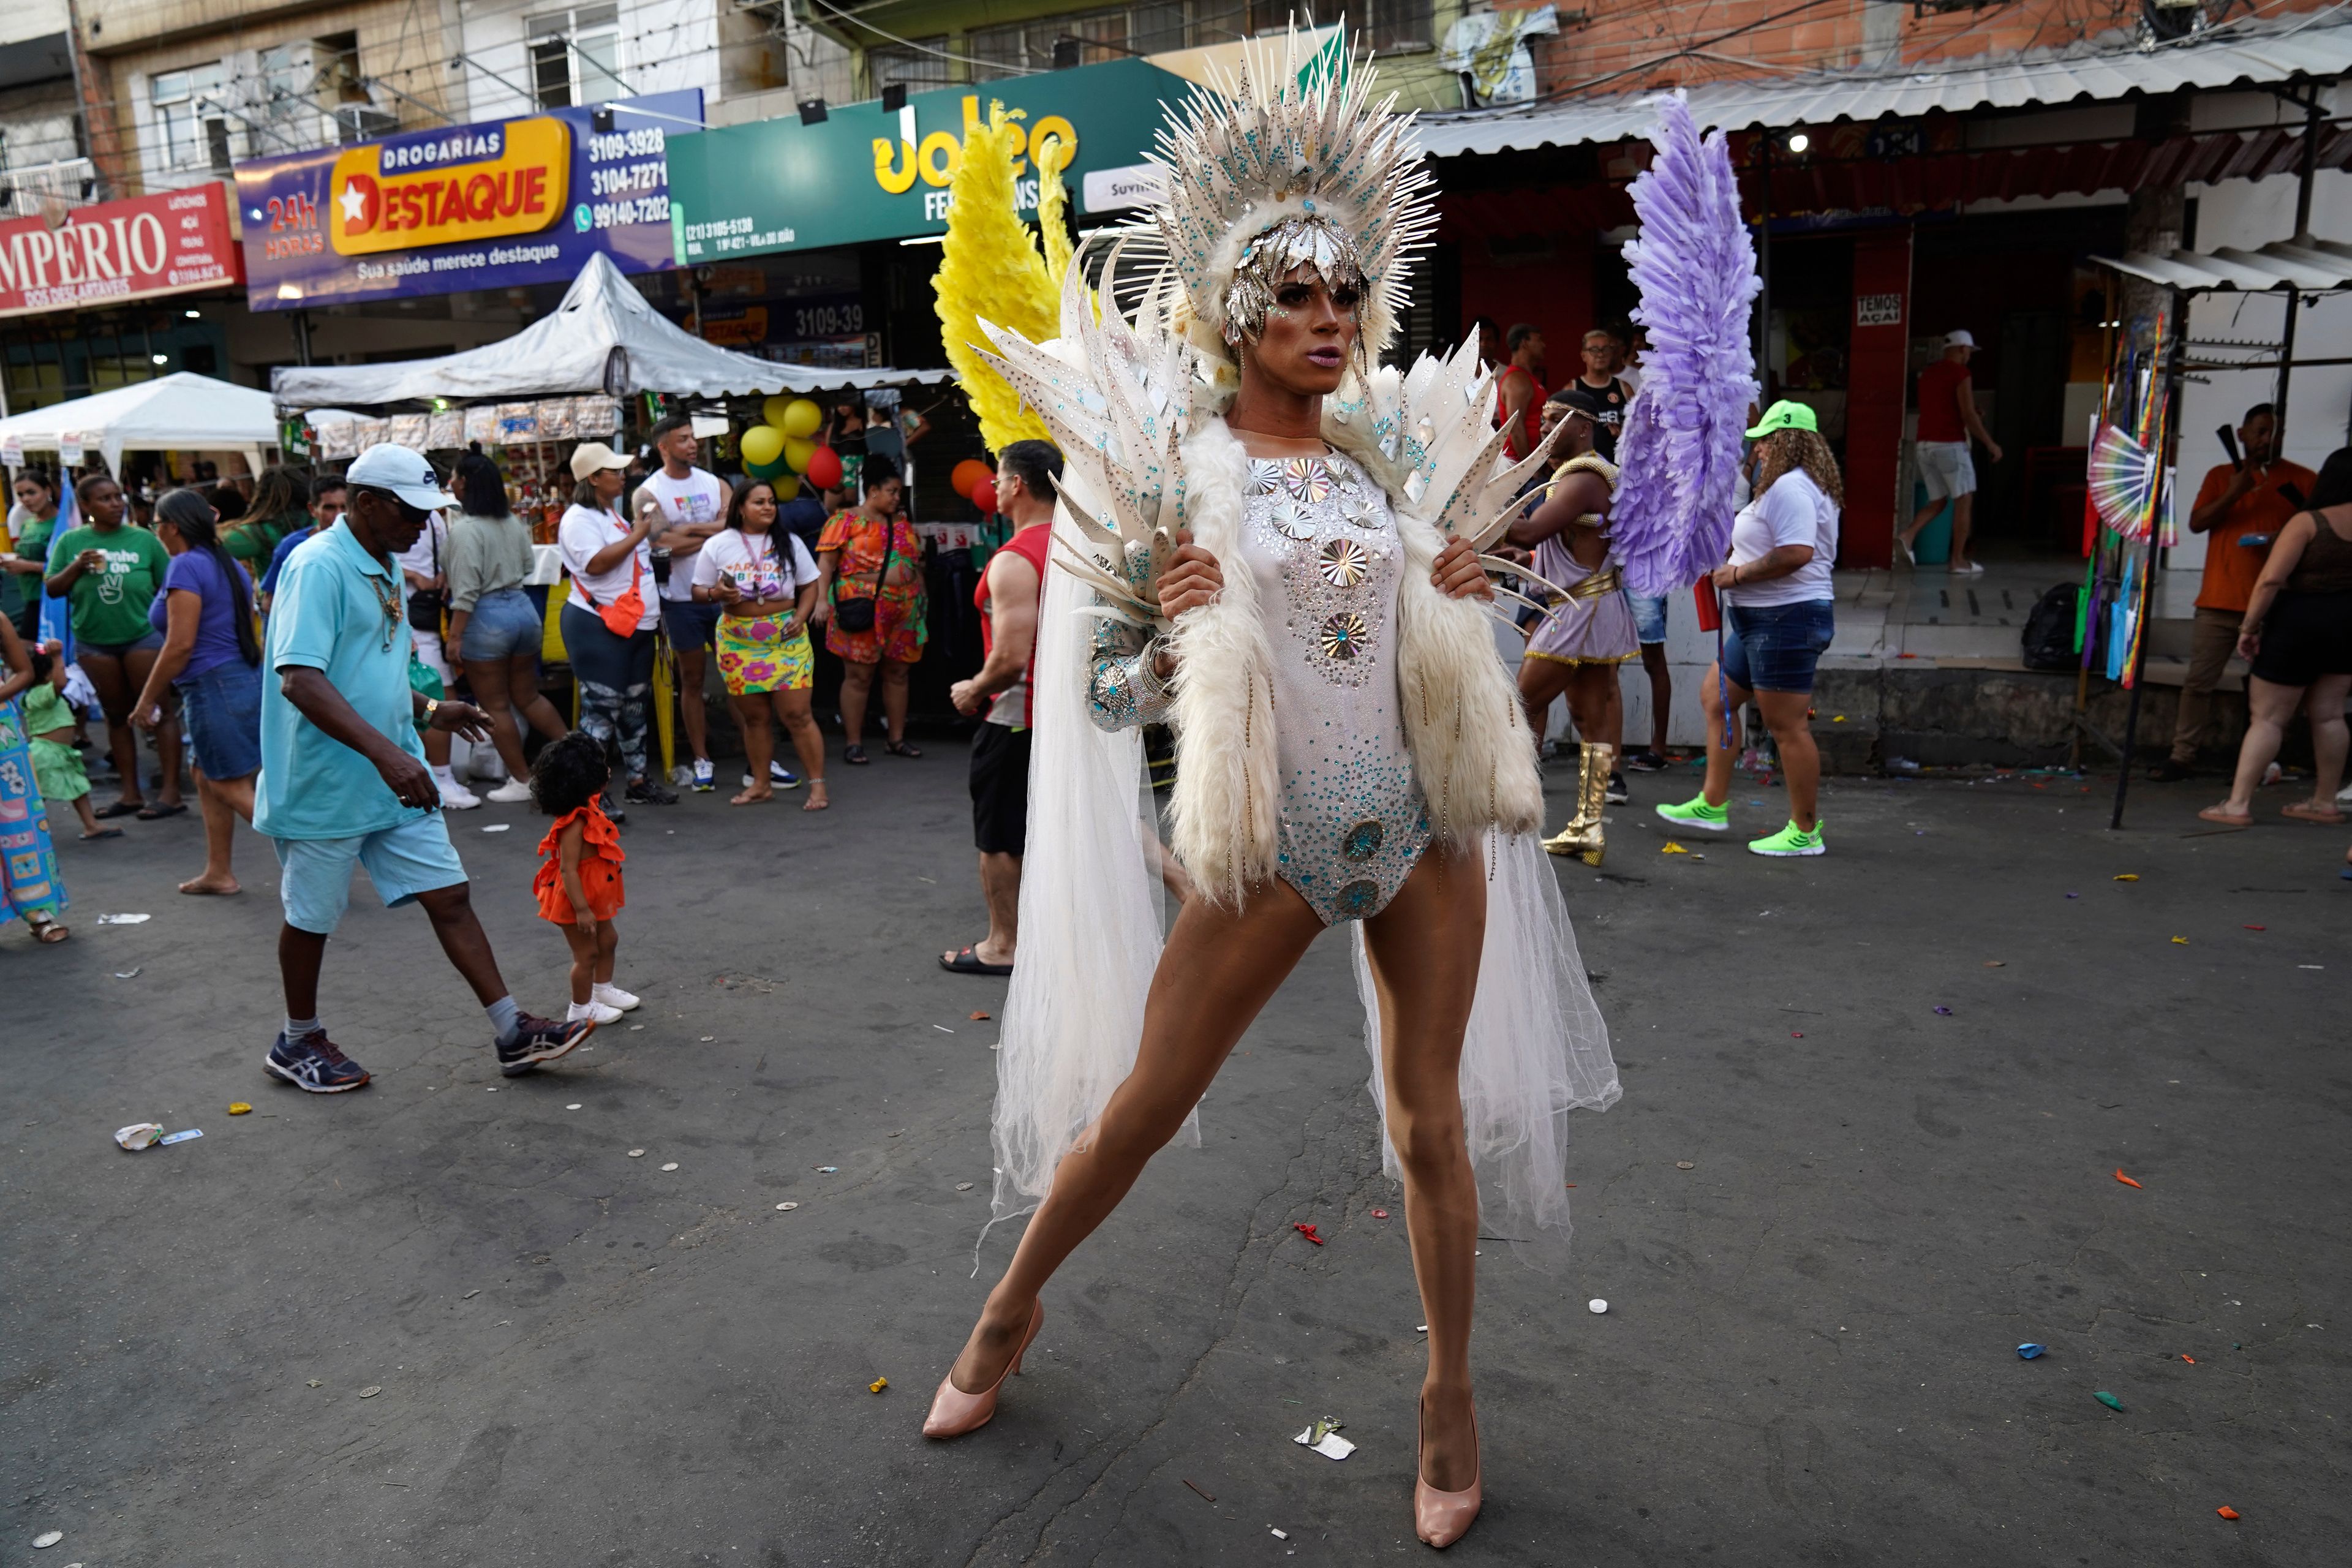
point(1679, 452)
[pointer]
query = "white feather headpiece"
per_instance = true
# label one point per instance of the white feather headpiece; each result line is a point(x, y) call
point(1269, 172)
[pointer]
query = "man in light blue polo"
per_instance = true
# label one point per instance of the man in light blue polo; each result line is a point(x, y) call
point(343, 778)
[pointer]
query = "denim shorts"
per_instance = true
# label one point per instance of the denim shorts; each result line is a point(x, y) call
point(152, 642)
point(502, 625)
point(690, 625)
point(413, 857)
point(222, 708)
point(1774, 647)
point(1649, 617)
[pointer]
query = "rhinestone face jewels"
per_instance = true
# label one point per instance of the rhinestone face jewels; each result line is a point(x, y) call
point(1364, 841)
point(1343, 563)
point(1343, 636)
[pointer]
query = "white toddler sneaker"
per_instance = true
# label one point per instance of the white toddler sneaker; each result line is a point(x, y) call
point(593, 1011)
point(612, 996)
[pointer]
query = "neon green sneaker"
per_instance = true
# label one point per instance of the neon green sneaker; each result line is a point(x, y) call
point(1696, 813)
point(1789, 841)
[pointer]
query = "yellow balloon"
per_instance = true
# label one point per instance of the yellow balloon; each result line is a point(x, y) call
point(786, 486)
point(762, 444)
point(800, 417)
point(798, 450)
point(772, 410)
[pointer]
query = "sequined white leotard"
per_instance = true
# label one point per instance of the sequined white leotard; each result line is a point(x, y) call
point(1322, 544)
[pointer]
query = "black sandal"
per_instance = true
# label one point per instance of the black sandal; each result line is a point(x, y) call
point(970, 962)
point(854, 756)
point(120, 808)
point(902, 749)
point(157, 812)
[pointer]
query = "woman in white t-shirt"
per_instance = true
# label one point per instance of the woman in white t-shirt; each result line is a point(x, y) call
point(1778, 618)
point(611, 567)
point(765, 582)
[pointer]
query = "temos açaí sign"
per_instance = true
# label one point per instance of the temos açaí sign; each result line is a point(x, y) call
point(864, 174)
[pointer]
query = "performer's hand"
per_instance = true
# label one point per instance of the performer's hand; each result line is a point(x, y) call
point(966, 697)
point(1458, 575)
point(1192, 580)
point(1517, 555)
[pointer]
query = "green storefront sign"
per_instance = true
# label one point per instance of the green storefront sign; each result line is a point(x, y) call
point(864, 174)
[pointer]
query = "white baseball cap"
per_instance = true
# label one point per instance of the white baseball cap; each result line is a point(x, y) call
point(1960, 340)
point(594, 456)
point(405, 474)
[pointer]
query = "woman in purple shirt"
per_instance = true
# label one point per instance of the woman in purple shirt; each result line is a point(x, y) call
point(212, 657)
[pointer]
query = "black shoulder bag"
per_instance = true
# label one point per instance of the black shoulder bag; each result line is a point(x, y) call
point(855, 616)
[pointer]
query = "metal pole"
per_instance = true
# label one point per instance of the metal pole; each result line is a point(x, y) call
point(2293, 296)
point(2180, 308)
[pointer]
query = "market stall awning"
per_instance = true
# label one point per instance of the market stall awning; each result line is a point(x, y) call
point(603, 337)
point(2309, 266)
point(2317, 48)
point(182, 412)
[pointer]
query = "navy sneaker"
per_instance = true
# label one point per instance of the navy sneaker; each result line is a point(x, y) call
point(537, 1041)
point(314, 1064)
point(645, 792)
point(782, 776)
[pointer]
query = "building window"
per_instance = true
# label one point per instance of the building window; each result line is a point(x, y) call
point(918, 67)
point(575, 56)
point(1401, 23)
point(190, 129)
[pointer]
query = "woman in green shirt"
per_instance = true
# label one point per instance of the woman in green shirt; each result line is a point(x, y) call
point(31, 520)
point(494, 628)
point(110, 573)
point(281, 506)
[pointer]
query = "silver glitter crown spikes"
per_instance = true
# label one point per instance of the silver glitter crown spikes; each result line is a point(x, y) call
point(1270, 151)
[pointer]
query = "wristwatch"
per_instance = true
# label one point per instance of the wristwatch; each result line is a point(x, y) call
point(432, 706)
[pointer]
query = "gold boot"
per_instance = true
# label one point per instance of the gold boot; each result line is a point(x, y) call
point(1582, 836)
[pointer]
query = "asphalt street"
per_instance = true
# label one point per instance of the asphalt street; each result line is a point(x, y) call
point(1876, 1108)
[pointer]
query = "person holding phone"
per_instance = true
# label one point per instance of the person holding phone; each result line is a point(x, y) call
point(762, 581)
point(608, 617)
point(2240, 509)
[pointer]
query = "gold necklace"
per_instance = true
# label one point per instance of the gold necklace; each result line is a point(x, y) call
point(387, 598)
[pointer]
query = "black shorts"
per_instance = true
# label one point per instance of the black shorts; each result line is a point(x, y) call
point(1000, 789)
point(2304, 637)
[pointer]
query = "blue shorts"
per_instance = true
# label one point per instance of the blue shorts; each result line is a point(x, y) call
point(403, 861)
point(223, 710)
point(152, 642)
point(1649, 617)
point(1774, 647)
point(502, 625)
point(690, 625)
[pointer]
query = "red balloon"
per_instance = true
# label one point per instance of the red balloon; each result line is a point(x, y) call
point(968, 475)
point(983, 494)
point(824, 469)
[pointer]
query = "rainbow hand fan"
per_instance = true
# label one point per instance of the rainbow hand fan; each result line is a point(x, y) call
point(2124, 477)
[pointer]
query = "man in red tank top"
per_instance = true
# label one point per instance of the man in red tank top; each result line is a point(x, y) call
point(1007, 599)
point(1519, 391)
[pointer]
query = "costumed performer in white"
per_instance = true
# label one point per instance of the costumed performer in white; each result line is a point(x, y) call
point(1274, 546)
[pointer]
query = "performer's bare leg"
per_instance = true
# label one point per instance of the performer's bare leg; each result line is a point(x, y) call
point(1217, 971)
point(1424, 951)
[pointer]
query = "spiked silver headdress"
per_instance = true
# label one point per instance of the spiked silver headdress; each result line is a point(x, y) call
point(1273, 172)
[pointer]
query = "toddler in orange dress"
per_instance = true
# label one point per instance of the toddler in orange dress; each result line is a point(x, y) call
point(578, 880)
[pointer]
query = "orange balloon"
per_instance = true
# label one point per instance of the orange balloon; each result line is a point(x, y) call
point(968, 475)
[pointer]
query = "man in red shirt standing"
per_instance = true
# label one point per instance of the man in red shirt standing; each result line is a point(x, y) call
point(1521, 392)
point(1008, 600)
point(1947, 421)
point(2241, 507)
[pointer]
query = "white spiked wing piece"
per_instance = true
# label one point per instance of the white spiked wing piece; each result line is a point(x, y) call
point(1118, 413)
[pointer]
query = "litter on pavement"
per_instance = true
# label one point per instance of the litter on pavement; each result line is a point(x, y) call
point(139, 1135)
point(671, 1166)
point(130, 973)
point(1211, 1497)
point(1308, 1232)
point(498, 828)
point(370, 1391)
point(2226, 1511)
point(1596, 1306)
point(124, 919)
point(2126, 1180)
point(1324, 1437)
point(240, 1108)
point(878, 1385)
point(182, 1136)
point(2129, 877)
point(52, 1537)
point(2109, 1400)
point(2028, 1350)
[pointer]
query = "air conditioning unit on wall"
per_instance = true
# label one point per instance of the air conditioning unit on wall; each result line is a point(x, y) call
point(363, 122)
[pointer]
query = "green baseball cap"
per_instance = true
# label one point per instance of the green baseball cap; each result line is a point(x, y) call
point(1785, 416)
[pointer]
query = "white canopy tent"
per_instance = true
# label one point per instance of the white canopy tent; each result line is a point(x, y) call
point(604, 337)
point(182, 412)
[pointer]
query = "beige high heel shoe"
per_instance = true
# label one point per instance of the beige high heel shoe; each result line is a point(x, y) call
point(955, 1413)
point(1441, 1518)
